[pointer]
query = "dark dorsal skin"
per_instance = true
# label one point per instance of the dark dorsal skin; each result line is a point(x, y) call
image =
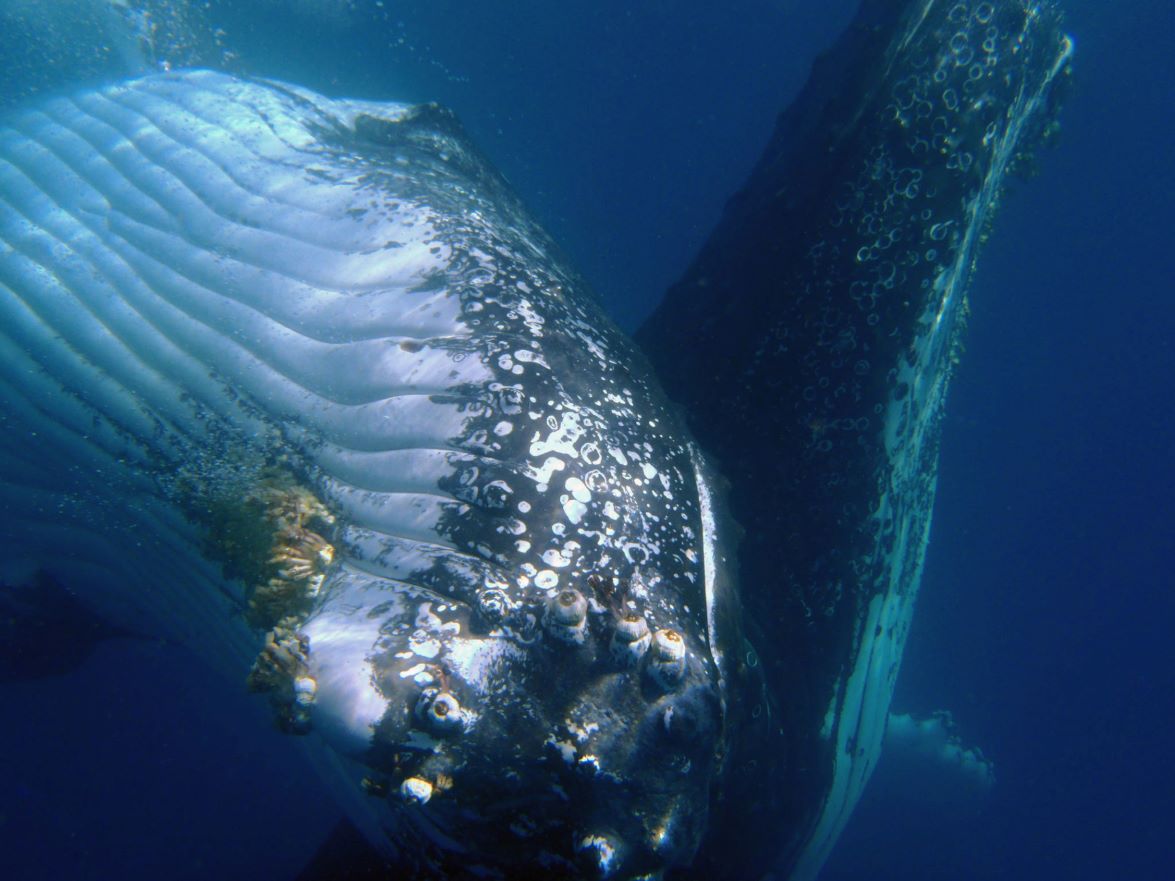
point(810, 345)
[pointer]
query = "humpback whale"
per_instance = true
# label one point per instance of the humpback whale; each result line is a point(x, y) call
point(297, 382)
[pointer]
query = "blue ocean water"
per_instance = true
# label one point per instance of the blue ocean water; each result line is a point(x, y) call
point(1044, 617)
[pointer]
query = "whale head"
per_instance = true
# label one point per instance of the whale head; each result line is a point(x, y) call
point(568, 731)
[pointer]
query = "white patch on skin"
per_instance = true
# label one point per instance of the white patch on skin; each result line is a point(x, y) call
point(566, 750)
point(349, 707)
point(555, 558)
point(546, 579)
point(610, 511)
point(474, 660)
point(422, 741)
point(413, 671)
point(424, 645)
point(562, 439)
point(594, 348)
point(524, 507)
point(503, 428)
point(578, 489)
point(573, 510)
point(533, 321)
point(581, 733)
point(514, 527)
point(542, 475)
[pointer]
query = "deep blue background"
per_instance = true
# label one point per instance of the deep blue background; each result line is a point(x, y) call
point(1047, 603)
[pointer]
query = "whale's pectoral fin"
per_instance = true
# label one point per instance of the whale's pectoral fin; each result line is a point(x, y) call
point(812, 342)
point(45, 630)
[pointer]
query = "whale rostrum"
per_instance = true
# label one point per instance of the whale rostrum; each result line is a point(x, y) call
point(298, 382)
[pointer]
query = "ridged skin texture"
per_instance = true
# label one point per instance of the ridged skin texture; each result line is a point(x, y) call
point(215, 292)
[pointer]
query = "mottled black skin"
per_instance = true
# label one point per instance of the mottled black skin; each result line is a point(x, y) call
point(505, 766)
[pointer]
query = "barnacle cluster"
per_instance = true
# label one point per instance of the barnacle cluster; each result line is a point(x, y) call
point(271, 537)
point(268, 530)
point(282, 671)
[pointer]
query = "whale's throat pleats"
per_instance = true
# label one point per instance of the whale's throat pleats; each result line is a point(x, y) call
point(297, 382)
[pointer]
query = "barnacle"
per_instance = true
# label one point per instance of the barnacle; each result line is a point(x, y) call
point(631, 639)
point(271, 537)
point(667, 658)
point(566, 616)
point(440, 711)
point(281, 670)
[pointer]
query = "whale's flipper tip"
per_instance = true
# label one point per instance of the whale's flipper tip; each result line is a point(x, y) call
point(45, 630)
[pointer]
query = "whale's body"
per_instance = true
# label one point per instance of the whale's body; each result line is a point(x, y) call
point(238, 314)
point(297, 382)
